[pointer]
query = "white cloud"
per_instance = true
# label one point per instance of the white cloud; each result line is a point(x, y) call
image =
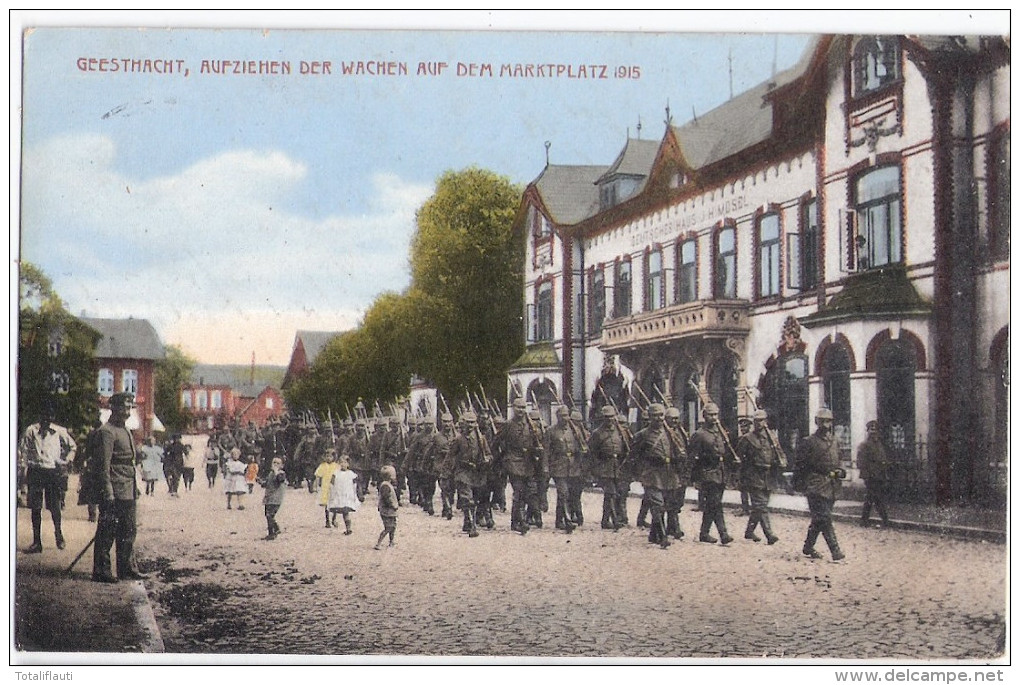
point(222, 238)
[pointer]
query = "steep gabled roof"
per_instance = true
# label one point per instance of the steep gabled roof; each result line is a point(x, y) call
point(635, 159)
point(126, 339)
point(569, 192)
point(739, 123)
point(314, 341)
point(238, 377)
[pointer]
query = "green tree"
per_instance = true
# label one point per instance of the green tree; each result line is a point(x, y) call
point(172, 372)
point(467, 270)
point(56, 356)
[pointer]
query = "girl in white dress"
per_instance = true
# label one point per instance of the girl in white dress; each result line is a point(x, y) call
point(343, 493)
point(233, 479)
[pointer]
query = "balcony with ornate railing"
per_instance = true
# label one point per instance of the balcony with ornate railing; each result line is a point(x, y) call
point(701, 319)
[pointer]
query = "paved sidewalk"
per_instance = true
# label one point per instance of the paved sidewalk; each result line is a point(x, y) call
point(60, 616)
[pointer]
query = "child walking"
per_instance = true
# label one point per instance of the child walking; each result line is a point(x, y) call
point(388, 504)
point(274, 484)
point(323, 479)
point(233, 478)
point(343, 493)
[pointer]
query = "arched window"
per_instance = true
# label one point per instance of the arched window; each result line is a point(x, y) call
point(722, 387)
point(836, 368)
point(895, 366)
point(685, 397)
point(876, 63)
point(726, 264)
point(785, 397)
point(544, 394)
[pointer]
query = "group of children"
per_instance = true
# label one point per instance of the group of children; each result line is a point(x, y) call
point(338, 494)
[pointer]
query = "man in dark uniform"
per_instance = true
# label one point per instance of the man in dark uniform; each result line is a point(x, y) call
point(609, 448)
point(173, 463)
point(744, 425)
point(112, 476)
point(357, 449)
point(426, 477)
point(818, 475)
point(523, 452)
point(708, 450)
point(874, 466)
point(564, 467)
point(656, 454)
point(471, 457)
point(682, 466)
point(759, 456)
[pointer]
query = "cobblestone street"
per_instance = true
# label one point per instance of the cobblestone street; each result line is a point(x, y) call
point(216, 587)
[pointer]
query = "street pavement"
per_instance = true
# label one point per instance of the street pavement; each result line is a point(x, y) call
point(218, 588)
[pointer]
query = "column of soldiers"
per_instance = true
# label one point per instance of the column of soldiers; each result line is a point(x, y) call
point(469, 464)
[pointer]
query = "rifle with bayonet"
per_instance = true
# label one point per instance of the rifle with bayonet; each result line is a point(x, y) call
point(680, 445)
point(705, 400)
point(772, 437)
point(683, 433)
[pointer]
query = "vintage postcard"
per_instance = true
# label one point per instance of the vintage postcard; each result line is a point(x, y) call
point(476, 338)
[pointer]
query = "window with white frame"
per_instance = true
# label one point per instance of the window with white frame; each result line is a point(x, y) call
point(60, 382)
point(802, 250)
point(726, 264)
point(655, 295)
point(105, 382)
point(687, 272)
point(203, 399)
point(269, 403)
point(879, 234)
point(216, 399)
point(768, 255)
point(544, 312)
point(596, 301)
point(186, 399)
point(622, 289)
point(129, 381)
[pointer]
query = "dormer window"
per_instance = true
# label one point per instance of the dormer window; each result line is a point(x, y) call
point(608, 195)
point(876, 63)
point(678, 180)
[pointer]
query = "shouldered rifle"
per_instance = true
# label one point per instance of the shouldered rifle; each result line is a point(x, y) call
point(705, 399)
point(332, 435)
point(582, 441)
point(446, 410)
point(772, 438)
point(619, 422)
point(683, 433)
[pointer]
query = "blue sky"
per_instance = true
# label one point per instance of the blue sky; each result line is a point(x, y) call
point(233, 210)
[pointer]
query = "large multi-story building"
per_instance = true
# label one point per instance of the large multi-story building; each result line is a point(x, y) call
point(837, 236)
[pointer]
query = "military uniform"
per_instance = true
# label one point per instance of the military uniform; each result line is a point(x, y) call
point(874, 469)
point(471, 457)
point(818, 475)
point(523, 454)
point(758, 458)
point(565, 469)
point(657, 456)
point(113, 485)
point(707, 448)
point(439, 455)
point(608, 449)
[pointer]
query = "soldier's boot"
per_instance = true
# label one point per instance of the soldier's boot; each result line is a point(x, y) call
point(720, 525)
point(467, 521)
point(489, 522)
point(642, 516)
point(673, 525)
point(706, 526)
point(752, 523)
point(576, 515)
point(608, 513)
point(659, 529)
point(830, 539)
point(561, 516)
point(809, 543)
point(766, 527)
point(472, 525)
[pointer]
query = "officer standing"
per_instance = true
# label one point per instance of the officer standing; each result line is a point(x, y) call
point(759, 455)
point(114, 484)
point(818, 475)
point(874, 466)
point(708, 449)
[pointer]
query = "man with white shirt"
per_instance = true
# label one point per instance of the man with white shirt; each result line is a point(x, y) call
point(44, 452)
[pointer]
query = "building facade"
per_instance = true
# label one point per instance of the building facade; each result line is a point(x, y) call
point(837, 237)
point(126, 357)
point(218, 394)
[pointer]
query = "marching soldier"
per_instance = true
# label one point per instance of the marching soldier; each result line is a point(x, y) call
point(357, 450)
point(523, 454)
point(565, 468)
point(425, 466)
point(708, 450)
point(439, 455)
point(874, 465)
point(470, 456)
point(609, 449)
point(759, 455)
point(818, 475)
point(656, 456)
point(682, 466)
point(744, 425)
